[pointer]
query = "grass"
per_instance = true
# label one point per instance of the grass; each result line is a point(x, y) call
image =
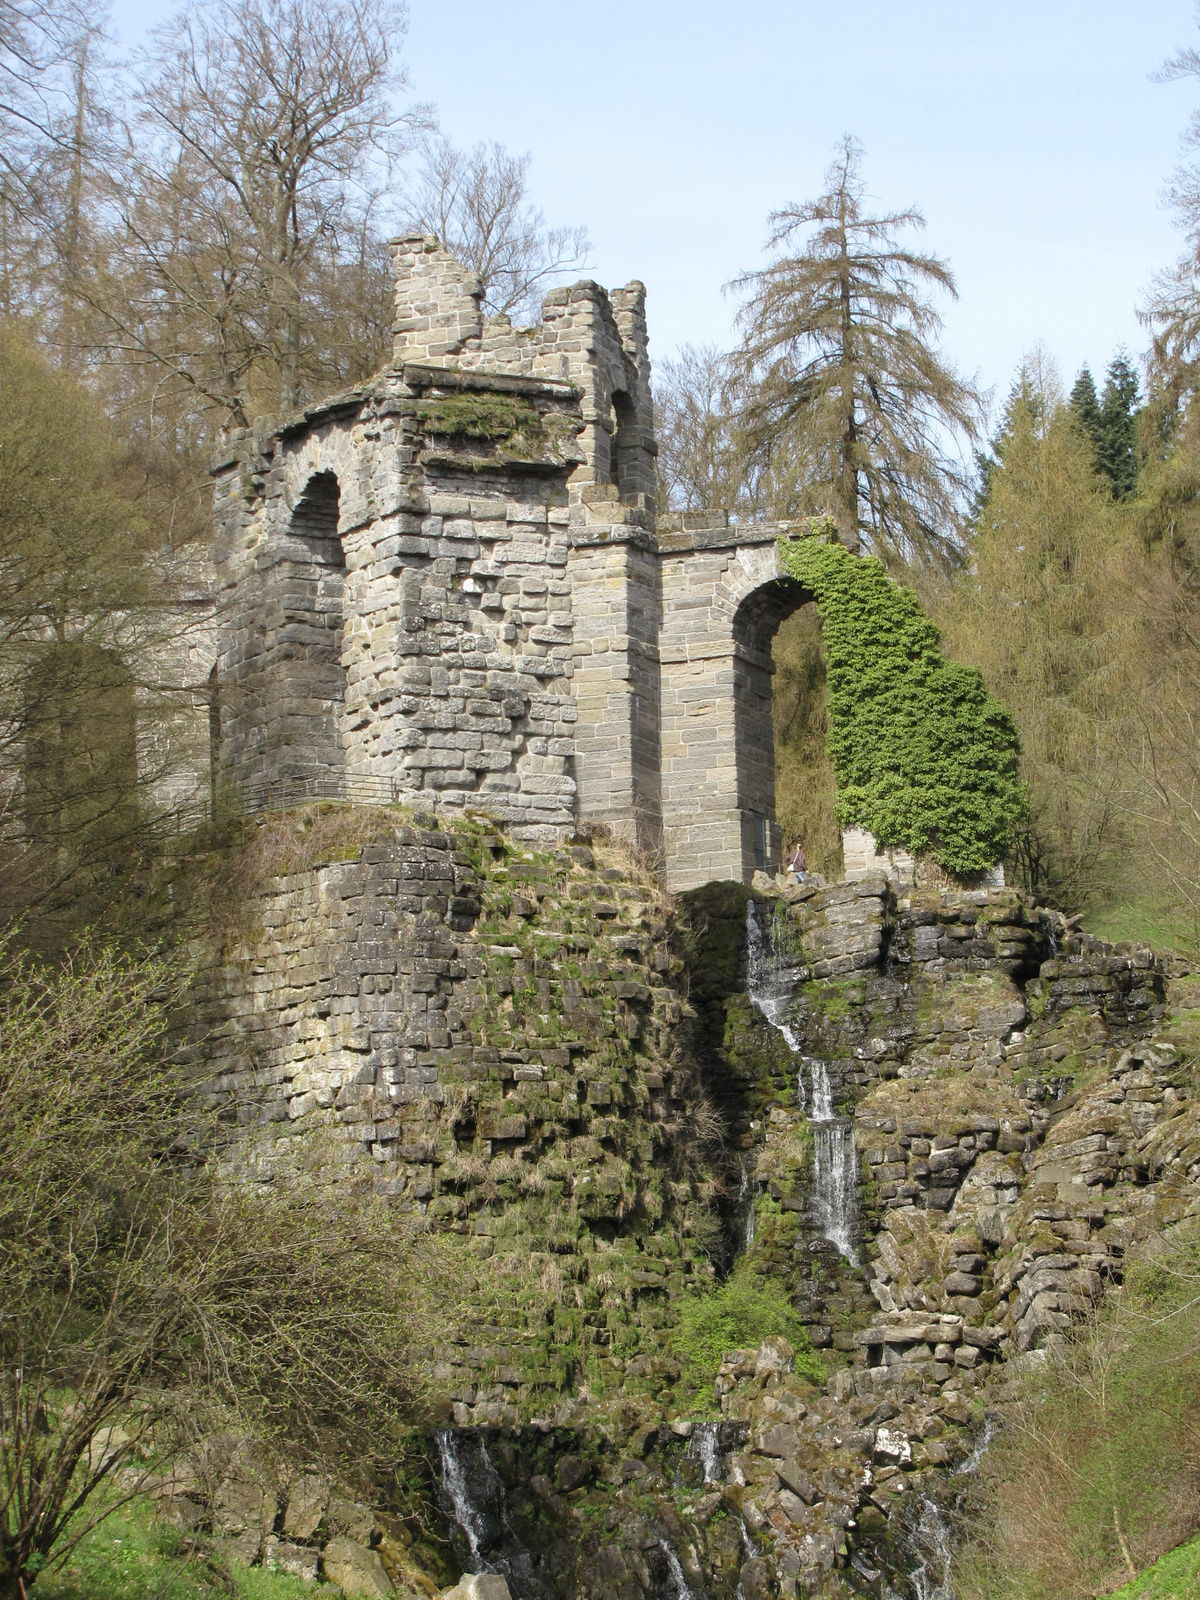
point(1139, 922)
point(135, 1555)
point(1176, 1576)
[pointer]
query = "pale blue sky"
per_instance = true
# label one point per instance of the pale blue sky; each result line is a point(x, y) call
point(1029, 133)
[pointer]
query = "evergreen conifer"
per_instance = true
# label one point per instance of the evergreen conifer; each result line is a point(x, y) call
point(1116, 436)
point(1085, 405)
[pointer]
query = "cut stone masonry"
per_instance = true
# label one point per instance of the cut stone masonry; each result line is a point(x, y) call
point(451, 587)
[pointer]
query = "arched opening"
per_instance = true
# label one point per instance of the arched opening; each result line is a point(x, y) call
point(624, 447)
point(784, 779)
point(304, 742)
point(80, 779)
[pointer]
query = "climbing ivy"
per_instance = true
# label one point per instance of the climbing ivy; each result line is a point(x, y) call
point(925, 758)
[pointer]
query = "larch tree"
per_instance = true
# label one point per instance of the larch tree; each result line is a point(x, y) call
point(849, 406)
point(1032, 609)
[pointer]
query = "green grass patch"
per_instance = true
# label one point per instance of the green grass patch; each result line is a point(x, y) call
point(737, 1315)
point(135, 1555)
point(1139, 922)
point(1175, 1577)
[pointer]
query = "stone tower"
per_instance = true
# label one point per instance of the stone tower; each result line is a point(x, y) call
point(449, 587)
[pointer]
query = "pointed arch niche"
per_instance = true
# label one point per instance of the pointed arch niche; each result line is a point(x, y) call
point(304, 739)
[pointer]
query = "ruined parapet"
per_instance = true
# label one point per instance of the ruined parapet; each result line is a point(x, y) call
point(586, 337)
point(437, 302)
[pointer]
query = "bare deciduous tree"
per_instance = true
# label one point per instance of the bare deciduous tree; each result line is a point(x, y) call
point(477, 202)
point(695, 413)
point(247, 246)
point(55, 130)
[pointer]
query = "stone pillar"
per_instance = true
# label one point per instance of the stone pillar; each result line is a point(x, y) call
point(616, 599)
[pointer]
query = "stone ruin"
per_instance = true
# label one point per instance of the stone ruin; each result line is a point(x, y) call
point(451, 587)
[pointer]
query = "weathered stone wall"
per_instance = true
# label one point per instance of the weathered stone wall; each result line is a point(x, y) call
point(452, 584)
point(519, 1044)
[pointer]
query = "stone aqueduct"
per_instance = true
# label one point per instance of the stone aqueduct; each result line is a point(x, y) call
point(450, 587)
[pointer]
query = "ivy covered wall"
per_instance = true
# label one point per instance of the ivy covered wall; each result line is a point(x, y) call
point(926, 759)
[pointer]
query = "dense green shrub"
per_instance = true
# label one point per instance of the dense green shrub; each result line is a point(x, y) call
point(737, 1315)
point(925, 758)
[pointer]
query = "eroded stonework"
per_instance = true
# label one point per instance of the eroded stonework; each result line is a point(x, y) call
point(451, 587)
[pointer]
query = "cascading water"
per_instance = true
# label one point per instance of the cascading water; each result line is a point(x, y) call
point(473, 1495)
point(704, 1446)
point(772, 977)
point(745, 1207)
point(931, 1580)
point(979, 1450)
point(835, 1165)
point(679, 1588)
point(454, 1482)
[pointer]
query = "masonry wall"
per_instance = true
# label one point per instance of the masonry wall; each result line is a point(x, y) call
point(451, 587)
point(717, 743)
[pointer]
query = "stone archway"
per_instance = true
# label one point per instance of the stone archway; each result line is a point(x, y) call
point(310, 580)
point(755, 624)
point(725, 594)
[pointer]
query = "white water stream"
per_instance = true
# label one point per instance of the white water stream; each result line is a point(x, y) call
point(931, 1580)
point(772, 977)
point(679, 1589)
point(705, 1448)
point(454, 1481)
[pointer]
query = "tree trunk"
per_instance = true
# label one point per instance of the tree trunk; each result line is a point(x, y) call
point(847, 491)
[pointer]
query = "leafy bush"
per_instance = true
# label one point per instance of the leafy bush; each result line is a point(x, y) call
point(925, 758)
point(737, 1315)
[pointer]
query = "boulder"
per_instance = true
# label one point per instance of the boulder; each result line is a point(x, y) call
point(299, 1561)
point(357, 1569)
point(757, 1580)
point(478, 1586)
point(305, 1507)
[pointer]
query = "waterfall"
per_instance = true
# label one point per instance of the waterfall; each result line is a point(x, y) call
point(679, 1589)
point(835, 1166)
point(454, 1482)
point(703, 1447)
point(772, 976)
point(473, 1494)
point(745, 1206)
point(978, 1451)
point(932, 1540)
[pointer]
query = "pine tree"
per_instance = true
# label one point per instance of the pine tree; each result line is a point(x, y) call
point(850, 407)
point(1116, 435)
point(1085, 405)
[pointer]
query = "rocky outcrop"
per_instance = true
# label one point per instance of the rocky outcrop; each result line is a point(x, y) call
point(564, 1074)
